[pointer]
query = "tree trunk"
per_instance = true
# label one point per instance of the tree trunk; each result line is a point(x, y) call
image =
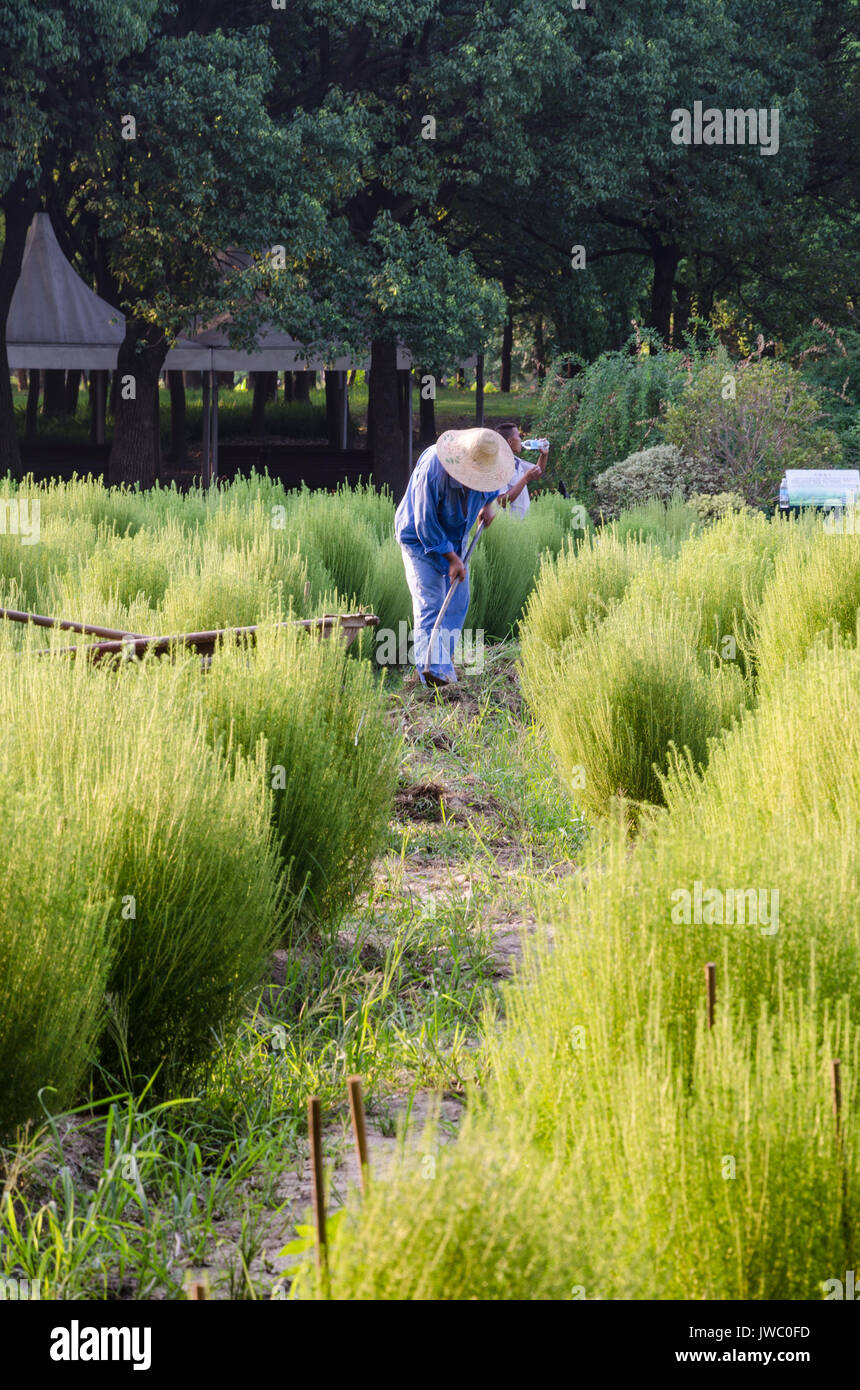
point(178, 444)
point(258, 410)
point(136, 451)
point(507, 351)
point(156, 421)
point(97, 424)
point(302, 384)
point(53, 392)
point(32, 418)
point(666, 259)
point(404, 378)
point(426, 414)
point(93, 400)
point(705, 298)
point(479, 390)
point(333, 407)
point(390, 463)
point(288, 388)
point(540, 350)
point(73, 388)
point(18, 205)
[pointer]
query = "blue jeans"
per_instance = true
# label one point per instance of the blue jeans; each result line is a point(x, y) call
point(428, 589)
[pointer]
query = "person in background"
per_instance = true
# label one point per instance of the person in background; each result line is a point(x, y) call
point(516, 498)
point(453, 485)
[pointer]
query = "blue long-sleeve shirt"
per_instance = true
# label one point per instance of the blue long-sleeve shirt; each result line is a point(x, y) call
point(437, 513)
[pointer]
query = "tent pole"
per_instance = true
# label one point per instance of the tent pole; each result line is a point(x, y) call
point(100, 407)
point(344, 418)
point(205, 469)
point(410, 419)
point(214, 477)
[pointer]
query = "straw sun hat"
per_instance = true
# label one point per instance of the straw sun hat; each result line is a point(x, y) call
point(477, 458)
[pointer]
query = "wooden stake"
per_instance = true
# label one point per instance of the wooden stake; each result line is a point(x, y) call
point(836, 1077)
point(197, 1290)
point(711, 982)
point(359, 1128)
point(317, 1180)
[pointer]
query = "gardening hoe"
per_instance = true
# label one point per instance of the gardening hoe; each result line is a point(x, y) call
point(443, 610)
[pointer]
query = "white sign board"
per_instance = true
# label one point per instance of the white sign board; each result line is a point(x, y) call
point(823, 487)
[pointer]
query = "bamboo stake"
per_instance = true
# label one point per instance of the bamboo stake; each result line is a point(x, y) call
point(39, 620)
point(836, 1078)
point(359, 1128)
point(711, 982)
point(318, 1184)
point(347, 625)
point(836, 1081)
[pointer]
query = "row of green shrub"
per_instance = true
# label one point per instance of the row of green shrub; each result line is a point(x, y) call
point(164, 561)
point(622, 1149)
point(631, 646)
point(165, 828)
point(219, 807)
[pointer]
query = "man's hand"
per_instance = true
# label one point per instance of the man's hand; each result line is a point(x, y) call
point(486, 514)
point(456, 568)
point(535, 471)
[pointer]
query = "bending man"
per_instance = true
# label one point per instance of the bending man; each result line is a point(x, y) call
point(450, 489)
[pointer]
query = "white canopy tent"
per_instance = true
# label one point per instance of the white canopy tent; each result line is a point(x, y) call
point(56, 321)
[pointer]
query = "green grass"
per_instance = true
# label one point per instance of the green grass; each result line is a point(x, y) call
point(397, 994)
point(508, 558)
point(728, 1187)
point(665, 523)
point(316, 720)
point(722, 573)
point(814, 595)
point(620, 693)
point(688, 1164)
point(53, 961)
point(165, 561)
point(581, 586)
point(169, 851)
